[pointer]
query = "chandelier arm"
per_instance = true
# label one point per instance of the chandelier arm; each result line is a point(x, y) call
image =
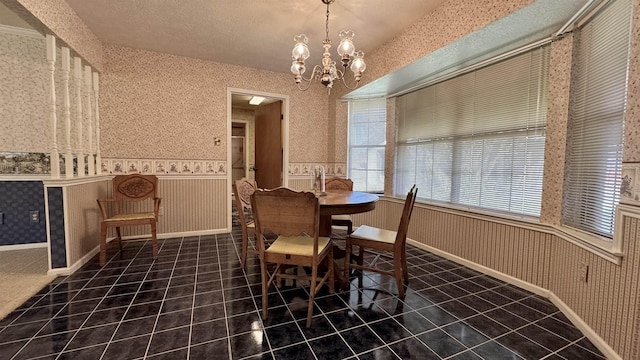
point(341, 77)
point(344, 82)
point(301, 88)
point(314, 73)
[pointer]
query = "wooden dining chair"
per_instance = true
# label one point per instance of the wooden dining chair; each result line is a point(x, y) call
point(242, 191)
point(384, 243)
point(336, 184)
point(293, 217)
point(130, 192)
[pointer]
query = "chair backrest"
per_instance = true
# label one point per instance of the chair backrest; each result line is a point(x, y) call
point(338, 184)
point(135, 187)
point(242, 190)
point(286, 212)
point(403, 227)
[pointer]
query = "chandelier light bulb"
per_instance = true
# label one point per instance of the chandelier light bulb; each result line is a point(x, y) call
point(346, 49)
point(297, 68)
point(357, 64)
point(300, 51)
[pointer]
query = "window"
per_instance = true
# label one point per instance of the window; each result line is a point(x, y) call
point(594, 145)
point(367, 140)
point(477, 140)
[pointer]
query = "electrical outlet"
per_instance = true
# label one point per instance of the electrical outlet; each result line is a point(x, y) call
point(584, 272)
point(34, 216)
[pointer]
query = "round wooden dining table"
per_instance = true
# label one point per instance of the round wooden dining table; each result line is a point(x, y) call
point(343, 202)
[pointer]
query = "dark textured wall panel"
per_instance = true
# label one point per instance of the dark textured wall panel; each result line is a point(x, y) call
point(17, 200)
point(56, 228)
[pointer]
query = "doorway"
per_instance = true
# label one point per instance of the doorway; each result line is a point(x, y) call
point(258, 134)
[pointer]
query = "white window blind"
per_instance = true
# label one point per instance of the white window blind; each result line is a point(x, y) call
point(478, 139)
point(594, 144)
point(367, 140)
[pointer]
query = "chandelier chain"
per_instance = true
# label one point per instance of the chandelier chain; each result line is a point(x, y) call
point(326, 24)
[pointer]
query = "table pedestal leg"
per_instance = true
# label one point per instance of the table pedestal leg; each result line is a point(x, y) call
point(338, 253)
point(325, 225)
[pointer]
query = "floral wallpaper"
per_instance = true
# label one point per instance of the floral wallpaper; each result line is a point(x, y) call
point(25, 123)
point(155, 105)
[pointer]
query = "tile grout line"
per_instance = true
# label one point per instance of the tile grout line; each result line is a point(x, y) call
point(99, 302)
point(130, 303)
point(193, 301)
point(153, 330)
point(224, 299)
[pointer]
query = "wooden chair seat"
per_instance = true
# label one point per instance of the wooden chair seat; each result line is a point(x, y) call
point(128, 217)
point(373, 234)
point(382, 242)
point(297, 245)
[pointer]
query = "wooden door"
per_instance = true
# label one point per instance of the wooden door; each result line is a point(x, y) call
point(268, 133)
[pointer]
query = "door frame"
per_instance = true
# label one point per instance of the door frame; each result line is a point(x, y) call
point(285, 139)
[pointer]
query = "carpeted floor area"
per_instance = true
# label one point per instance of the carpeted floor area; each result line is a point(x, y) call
point(22, 274)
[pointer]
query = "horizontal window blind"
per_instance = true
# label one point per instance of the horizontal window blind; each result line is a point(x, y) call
point(367, 140)
point(478, 139)
point(596, 121)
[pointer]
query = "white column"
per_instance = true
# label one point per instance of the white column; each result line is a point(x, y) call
point(89, 90)
point(97, 116)
point(51, 60)
point(77, 74)
point(68, 155)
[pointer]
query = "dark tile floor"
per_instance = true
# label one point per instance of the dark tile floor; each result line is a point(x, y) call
point(196, 302)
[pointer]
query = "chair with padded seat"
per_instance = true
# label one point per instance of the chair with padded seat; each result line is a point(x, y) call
point(134, 191)
point(242, 191)
point(336, 184)
point(293, 218)
point(383, 243)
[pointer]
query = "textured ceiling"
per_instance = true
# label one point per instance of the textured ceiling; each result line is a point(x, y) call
point(259, 33)
point(252, 33)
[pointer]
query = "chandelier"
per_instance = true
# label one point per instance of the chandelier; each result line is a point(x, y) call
point(328, 72)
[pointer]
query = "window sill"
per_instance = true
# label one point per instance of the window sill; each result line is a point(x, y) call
point(606, 249)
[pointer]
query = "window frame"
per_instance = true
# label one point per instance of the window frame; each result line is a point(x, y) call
point(371, 110)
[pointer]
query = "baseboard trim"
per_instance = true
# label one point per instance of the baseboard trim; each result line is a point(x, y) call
point(23, 246)
point(597, 341)
point(66, 271)
point(577, 321)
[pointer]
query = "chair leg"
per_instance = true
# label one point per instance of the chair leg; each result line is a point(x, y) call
point(154, 240)
point(405, 269)
point(360, 258)
point(398, 274)
point(103, 244)
point(349, 228)
point(265, 294)
point(332, 267)
point(312, 293)
point(119, 237)
point(347, 260)
point(245, 246)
